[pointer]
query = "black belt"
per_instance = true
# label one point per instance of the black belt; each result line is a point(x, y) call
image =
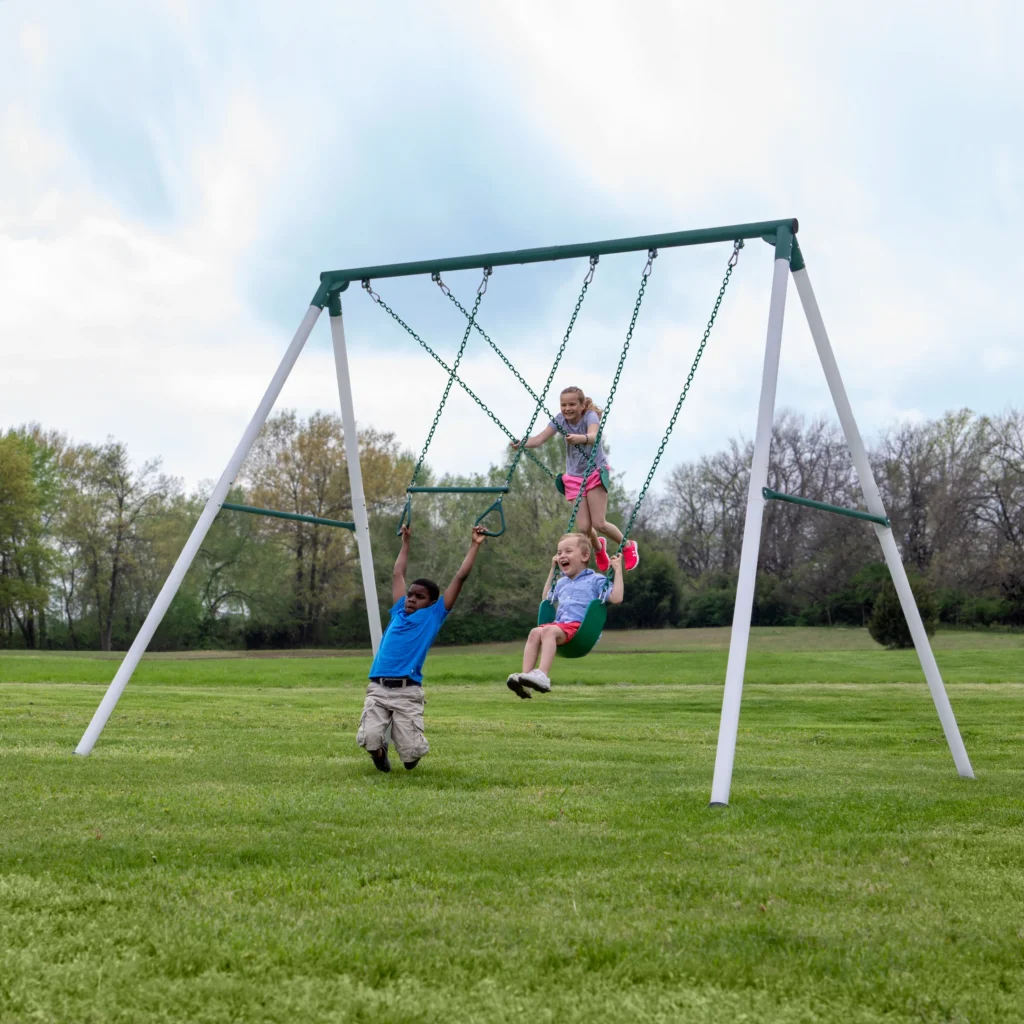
point(394, 682)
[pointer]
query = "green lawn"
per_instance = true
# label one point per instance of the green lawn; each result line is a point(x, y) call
point(228, 853)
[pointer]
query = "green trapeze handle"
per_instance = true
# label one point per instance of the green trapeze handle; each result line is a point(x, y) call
point(406, 517)
point(495, 507)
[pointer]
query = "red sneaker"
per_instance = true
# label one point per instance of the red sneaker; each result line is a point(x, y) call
point(630, 556)
point(601, 559)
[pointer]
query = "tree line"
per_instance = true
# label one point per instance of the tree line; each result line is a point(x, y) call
point(87, 537)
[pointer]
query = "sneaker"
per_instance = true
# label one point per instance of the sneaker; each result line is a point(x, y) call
point(630, 556)
point(536, 680)
point(515, 684)
point(380, 759)
point(409, 765)
point(601, 560)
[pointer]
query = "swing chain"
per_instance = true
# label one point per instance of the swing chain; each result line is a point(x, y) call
point(554, 367)
point(447, 369)
point(733, 260)
point(447, 292)
point(451, 375)
point(651, 255)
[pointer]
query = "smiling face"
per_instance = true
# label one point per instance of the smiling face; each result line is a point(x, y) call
point(572, 405)
point(417, 597)
point(573, 554)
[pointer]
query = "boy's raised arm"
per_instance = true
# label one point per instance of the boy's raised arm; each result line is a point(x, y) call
point(398, 587)
point(452, 593)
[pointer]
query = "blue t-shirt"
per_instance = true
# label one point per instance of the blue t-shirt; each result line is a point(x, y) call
point(573, 596)
point(405, 643)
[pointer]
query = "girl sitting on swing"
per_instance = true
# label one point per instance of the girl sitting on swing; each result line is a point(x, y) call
point(578, 423)
point(576, 588)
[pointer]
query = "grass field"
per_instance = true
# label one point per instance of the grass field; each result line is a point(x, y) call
point(228, 853)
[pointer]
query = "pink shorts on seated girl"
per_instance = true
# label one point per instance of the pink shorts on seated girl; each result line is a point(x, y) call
point(572, 484)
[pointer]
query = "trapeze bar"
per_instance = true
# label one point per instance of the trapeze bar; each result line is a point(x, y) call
point(853, 513)
point(337, 280)
point(253, 510)
point(457, 490)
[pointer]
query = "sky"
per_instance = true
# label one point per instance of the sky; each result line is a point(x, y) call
point(174, 175)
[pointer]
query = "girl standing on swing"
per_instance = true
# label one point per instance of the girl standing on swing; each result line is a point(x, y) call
point(578, 423)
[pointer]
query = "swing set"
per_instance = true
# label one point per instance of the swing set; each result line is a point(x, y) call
point(788, 261)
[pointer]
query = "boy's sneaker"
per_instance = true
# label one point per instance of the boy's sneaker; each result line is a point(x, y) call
point(409, 765)
point(515, 684)
point(601, 559)
point(630, 556)
point(380, 759)
point(536, 680)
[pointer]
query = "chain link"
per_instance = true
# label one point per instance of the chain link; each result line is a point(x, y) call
point(449, 370)
point(447, 292)
point(651, 256)
point(451, 373)
point(554, 368)
point(733, 260)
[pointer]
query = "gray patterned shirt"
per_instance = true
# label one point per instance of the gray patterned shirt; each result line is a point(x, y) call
point(577, 456)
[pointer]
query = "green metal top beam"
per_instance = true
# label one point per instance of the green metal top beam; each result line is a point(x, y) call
point(338, 280)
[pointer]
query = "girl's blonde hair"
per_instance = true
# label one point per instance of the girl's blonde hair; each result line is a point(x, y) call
point(585, 400)
point(584, 543)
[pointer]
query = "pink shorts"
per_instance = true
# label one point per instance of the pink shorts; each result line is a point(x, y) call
point(572, 484)
point(570, 629)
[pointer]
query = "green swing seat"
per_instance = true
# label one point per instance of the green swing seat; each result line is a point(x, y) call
point(586, 636)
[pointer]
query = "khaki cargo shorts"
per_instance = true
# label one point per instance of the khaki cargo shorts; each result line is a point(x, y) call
point(401, 708)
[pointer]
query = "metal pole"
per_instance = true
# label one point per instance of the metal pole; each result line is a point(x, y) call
point(740, 637)
point(355, 475)
point(199, 531)
point(874, 502)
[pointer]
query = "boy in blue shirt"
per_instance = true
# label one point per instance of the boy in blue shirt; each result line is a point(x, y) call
point(577, 587)
point(395, 695)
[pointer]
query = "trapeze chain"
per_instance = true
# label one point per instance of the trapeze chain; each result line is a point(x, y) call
point(551, 376)
point(539, 399)
point(447, 369)
point(733, 260)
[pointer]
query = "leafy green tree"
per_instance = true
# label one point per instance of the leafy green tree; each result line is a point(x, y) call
point(23, 590)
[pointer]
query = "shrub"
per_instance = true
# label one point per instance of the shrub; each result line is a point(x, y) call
point(888, 625)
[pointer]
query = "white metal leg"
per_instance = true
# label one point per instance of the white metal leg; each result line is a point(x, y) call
point(874, 503)
point(199, 531)
point(740, 636)
point(355, 476)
